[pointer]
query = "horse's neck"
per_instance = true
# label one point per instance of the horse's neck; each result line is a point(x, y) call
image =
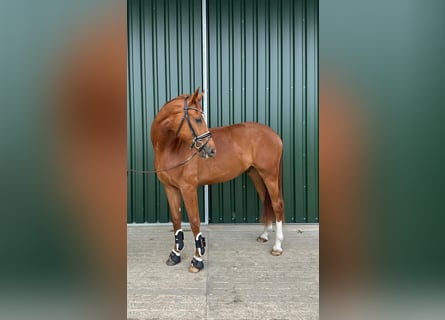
point(163, 135)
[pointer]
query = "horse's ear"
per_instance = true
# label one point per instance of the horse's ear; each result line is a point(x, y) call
point(195, 95)
point(199, 98)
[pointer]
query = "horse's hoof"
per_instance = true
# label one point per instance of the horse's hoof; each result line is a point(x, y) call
point(193, 269)
point(276, 253)
point(170, 262)
point(196, 265)
point(173, 259)
point(262, 240)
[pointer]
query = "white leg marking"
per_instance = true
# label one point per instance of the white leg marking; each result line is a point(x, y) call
point(265, 234)
point(279, 237)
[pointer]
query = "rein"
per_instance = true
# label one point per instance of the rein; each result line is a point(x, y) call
point(197, 143)
point(163, 170)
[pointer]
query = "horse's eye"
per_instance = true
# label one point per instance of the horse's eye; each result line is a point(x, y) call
point(198, 120)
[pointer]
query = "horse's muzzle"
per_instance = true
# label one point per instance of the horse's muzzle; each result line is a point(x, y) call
point(205, 145)
point(207, 152)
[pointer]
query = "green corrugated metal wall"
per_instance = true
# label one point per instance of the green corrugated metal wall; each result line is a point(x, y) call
point(164, 61)
point(262, 65)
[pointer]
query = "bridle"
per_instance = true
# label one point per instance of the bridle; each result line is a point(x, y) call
point(199, 142)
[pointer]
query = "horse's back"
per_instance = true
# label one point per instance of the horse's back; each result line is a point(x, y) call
point(252, 138)
point(248, 133)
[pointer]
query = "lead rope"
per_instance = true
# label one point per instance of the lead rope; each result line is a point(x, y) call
point(163, 170)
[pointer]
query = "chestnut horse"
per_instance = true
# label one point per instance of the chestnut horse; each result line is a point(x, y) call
point(179, 132)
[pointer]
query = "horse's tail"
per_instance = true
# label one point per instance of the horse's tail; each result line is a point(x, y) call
point(280, 216)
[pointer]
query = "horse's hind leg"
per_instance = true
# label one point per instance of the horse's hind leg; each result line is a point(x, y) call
point(261, 189)
point(190, 196)
point(276, 198)
point(174, 201)
point(273, 204)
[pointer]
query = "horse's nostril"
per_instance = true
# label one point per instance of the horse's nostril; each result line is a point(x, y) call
point(212, 152)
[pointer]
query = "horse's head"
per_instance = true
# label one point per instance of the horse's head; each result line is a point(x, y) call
point(195, 131)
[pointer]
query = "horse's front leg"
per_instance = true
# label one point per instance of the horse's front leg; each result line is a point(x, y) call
point(190, 196)
point(174, 201)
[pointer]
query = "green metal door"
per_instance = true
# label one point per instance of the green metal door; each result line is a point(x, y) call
point(262, 65)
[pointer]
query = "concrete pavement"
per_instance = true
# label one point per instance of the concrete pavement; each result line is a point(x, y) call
point(240, 280)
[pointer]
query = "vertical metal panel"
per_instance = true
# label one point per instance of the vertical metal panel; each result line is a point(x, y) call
point(205, 89)
point(164, 61)
point(312, 109)
point(263, 66)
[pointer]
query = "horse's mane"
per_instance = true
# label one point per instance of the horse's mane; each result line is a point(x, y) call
point(182, 96)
